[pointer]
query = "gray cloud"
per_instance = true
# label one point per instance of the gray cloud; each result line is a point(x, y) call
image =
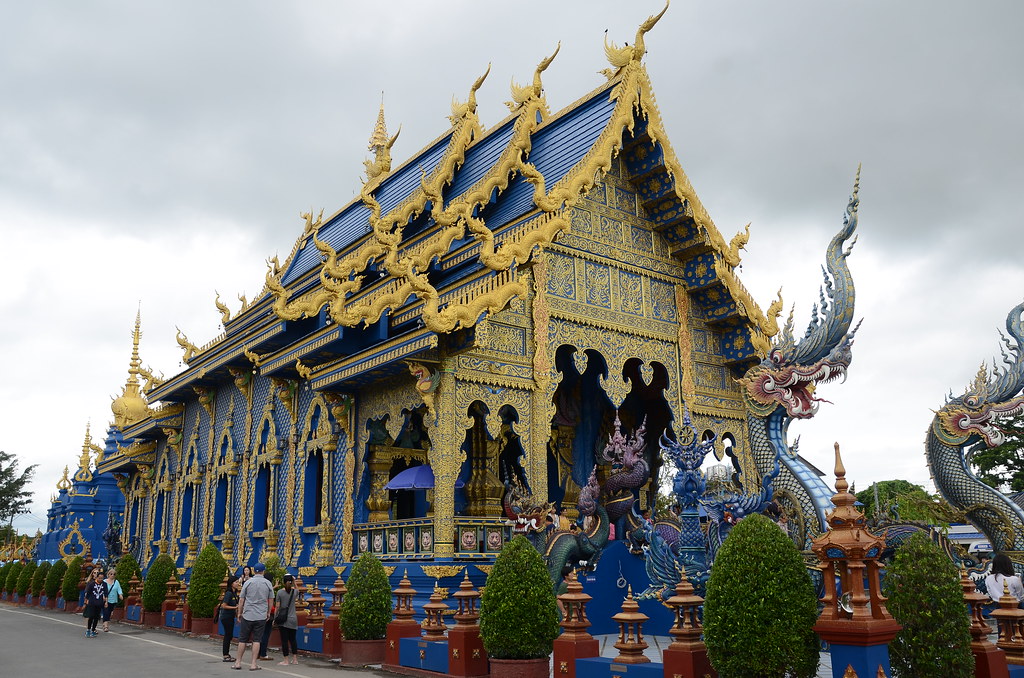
point(157, 152)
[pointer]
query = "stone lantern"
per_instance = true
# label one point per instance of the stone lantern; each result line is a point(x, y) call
point(433, 624)
point(854, 621)
point(402, 624)
point(466, 650)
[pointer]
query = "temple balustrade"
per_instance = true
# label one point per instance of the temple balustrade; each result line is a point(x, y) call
point(413, 539)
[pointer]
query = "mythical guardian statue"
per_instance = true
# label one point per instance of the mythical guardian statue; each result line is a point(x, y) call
point(971, 421)
point(781, 388)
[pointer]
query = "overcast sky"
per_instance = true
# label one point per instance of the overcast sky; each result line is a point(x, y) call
point(151, 153)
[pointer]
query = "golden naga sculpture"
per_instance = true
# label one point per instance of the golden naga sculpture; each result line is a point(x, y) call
point(381, 147)
point(152, 381)
point(310, 225)
point(189, 347)
point(522, 94)
point(738, 242)
point(460, 110)
point(620, 57)
point(225, 312)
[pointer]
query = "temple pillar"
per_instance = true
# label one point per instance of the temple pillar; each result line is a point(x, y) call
point(445, 459)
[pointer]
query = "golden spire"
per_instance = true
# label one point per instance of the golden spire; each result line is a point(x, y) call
point(131, 406)
point(381, 145)
point(64, 484)
point(84, 461)
point(379, 138)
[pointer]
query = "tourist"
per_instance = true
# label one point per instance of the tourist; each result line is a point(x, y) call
point(95, 598)
point(286, 621)
point(228, 610)
point(1002, 573)
point(246, 574)
point(114, 596)
point(264, 653)
point(254, 612)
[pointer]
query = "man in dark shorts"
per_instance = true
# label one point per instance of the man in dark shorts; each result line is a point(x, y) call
point(254, 613)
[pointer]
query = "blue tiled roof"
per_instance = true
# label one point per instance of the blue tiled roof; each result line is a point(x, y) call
point(556, 148)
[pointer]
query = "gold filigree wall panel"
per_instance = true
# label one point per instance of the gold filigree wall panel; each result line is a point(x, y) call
point(617, 347)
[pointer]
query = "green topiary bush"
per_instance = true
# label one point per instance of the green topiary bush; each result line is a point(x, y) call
point(923, 587)
point(760, 608)
point(204, 587)
point(38, 584)
point(518, 610)
point(127, 567)
point(12, 578)
point(366, 608)
point(69, 584)
point(274, 573)
point(54, 578)
point(5, 571)
point(25, 578)
point(154, 589)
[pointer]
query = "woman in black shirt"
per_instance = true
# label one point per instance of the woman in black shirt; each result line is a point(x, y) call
point(228, 607)
point(95, 599)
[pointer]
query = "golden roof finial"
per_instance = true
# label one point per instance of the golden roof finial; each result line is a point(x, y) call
point(84, 474)
point(131, 406)
point(620, 57)
point(381, 145)
point(523, 93)
point(379, 138)
point(64, 484)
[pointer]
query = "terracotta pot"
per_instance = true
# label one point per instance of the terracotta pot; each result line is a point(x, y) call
point(362, 652)
point(520, 668)
point(153, 618)
point(51, 604)
point(203, 626)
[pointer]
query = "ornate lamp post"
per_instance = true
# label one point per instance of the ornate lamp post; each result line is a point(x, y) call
point(855, 620)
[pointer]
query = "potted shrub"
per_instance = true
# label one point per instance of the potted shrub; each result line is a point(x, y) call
point(204, 589)
point(154, 589)
point(923, 587)
point(25, 582)
point(5, 570)
point(518, 612)
point(54, 578)
point(365, 612)
point(760, 608)
point(127, 567)
point(69, 584)
point(12, 582)
point(39, 581)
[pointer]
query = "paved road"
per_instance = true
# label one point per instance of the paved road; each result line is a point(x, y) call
point(40, 644)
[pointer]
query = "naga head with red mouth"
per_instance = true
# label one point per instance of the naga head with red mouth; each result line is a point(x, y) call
point(994, 395)
point(779, 382)
point(525, 514)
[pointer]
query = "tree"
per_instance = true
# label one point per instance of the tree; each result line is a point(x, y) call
point(14, 497)
point(902, 500)
point(154, 588)
point(1003, 466)
point(54, 579)
point(760, 608)
point(69, 585)
point(923, 587)
point(127, 567)
point(204, 587)
point(366, 608)
point(518, 589)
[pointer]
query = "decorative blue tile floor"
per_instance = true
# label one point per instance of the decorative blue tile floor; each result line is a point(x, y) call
point(655, 644)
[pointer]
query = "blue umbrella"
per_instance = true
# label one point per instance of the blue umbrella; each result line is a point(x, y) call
point(416, 478)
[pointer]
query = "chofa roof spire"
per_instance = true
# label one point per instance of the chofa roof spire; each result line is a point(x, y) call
point(381, 145)
point(620, 57)
point(131, 406)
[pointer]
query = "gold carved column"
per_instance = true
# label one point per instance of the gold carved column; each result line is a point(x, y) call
point(444, 455)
